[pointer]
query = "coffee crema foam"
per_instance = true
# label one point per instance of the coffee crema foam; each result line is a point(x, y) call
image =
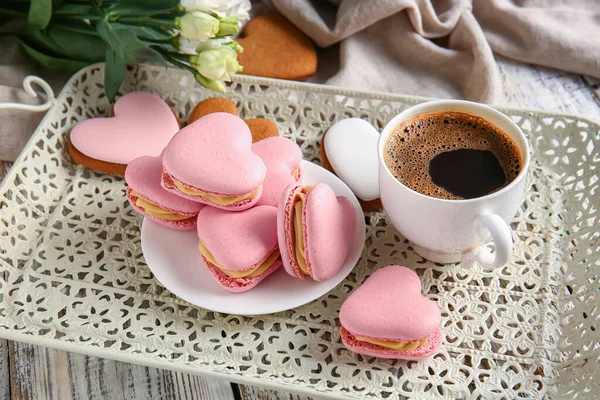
point(414, 143)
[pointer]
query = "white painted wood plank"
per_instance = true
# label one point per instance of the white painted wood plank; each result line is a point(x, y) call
point(37, 373)
point(547, 89)
point(255, 393)
point(4, 167)
point(594, 84)
point(42, 373)
point(4, 370)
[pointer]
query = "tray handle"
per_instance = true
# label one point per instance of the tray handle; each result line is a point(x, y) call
point(27, 82)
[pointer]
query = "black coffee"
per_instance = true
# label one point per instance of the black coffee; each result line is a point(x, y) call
point(452, 155)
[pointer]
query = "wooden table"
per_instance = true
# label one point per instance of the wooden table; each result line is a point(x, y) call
point(32, 372)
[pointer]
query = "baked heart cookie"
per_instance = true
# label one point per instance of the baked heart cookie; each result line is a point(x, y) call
point(388, 317)
point(315, 231)
point(142, 125)
point(371, 205)
point(275, 48)
point(261, 128)
point(148, 198)
point(282, 157)
point(210, 161)
point(239, 249)
point(212, 105)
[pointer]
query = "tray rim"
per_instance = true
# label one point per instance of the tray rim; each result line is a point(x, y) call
point(140, 359)
point(315, 87)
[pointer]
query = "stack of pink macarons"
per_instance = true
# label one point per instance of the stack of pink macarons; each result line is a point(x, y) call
point(246, 201)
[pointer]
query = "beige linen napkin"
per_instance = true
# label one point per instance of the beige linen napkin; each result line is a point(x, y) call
point(444, 48)
point(17, 126)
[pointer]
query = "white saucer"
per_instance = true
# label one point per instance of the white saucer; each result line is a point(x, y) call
point(174, 259)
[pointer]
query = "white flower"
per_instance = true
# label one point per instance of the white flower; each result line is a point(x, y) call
point(187, 46)
point(197, 25)
point(231, 8)
point(216, 64)
point(217, 86)
point(240, 10)
point(192, 47)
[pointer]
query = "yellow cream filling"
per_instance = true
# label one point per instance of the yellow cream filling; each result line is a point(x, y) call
point(296, 173)
point(393, 344)
point(215, 198)
point(299, 230)
point(155, 210)
point(248, 273)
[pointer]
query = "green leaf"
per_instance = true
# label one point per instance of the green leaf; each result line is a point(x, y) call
point(122, 39)
point(114, 73)
point(40, 13)
point(73, 10)
point(147, 33)
point(72, 42)
point(53, 63)
point(142, 8)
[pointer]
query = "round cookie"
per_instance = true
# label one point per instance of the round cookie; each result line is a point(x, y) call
point(275, 48)
point(212, 105)
point(261, 128)
point(371, 205)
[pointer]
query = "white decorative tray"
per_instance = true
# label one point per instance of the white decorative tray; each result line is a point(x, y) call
point(72, 274)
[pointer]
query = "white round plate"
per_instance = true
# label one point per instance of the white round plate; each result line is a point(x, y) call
point(174, 259)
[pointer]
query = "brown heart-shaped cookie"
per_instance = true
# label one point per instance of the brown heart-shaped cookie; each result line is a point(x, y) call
point(275, 48)
point(211, 105)
point(261, 128)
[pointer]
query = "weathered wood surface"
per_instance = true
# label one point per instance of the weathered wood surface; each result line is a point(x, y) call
point(31, 372)
point(4, 371)
point(255, 393)
point(595, 86)
point(42, 373)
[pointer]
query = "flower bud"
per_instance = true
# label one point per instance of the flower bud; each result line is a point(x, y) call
point(197, 25)
point(216, 63)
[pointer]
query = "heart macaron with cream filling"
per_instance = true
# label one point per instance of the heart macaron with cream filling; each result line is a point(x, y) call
point(240, 249)
point(315, 231)
point(211, 161)
point(282, 157)
point(388, 317)
point(147, 196)
point(142, 125)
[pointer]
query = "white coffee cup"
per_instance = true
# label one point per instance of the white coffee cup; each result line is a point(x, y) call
point(448, 231)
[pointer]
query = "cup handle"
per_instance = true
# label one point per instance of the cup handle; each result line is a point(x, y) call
point(502, 237)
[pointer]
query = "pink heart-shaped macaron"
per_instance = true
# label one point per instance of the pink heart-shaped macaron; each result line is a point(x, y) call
point(389, 306)
point(148, 197)
point(143, 124)
point(214, 155)
point(239, 241)
point(282, 157)
point(328, 227)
